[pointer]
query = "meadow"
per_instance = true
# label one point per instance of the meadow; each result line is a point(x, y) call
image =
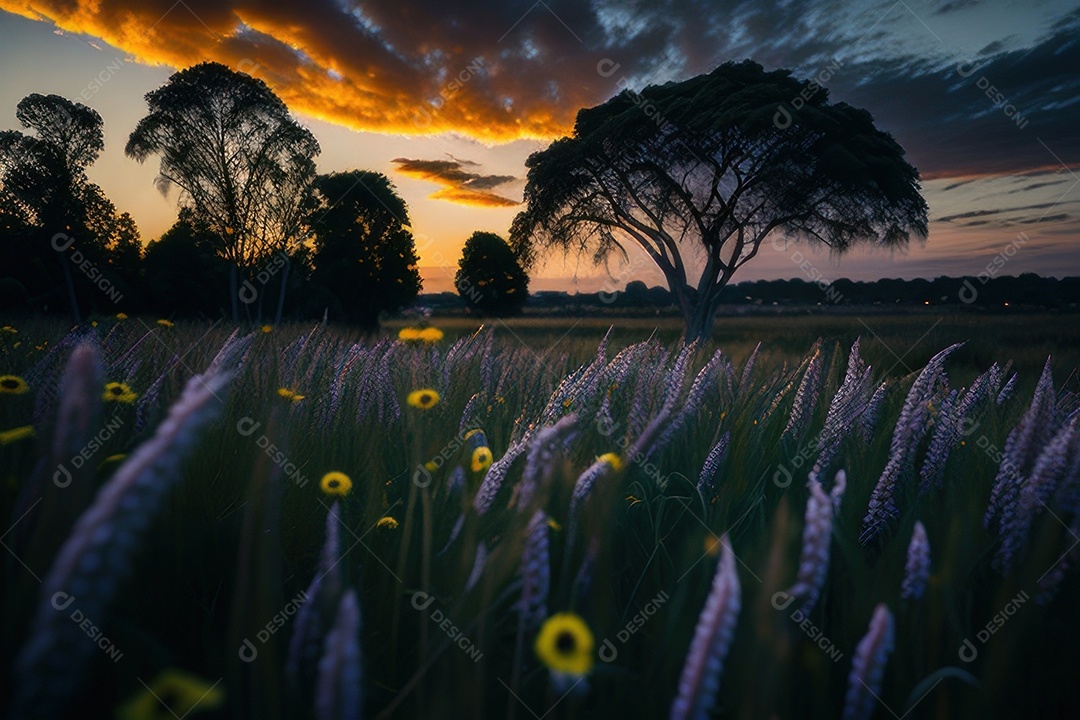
point(814, 516)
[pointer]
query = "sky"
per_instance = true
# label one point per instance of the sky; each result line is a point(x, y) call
point(448, 98)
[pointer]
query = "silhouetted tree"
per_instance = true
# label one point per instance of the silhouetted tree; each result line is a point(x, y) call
point(365, 255)
point(46, 200)
point(184, 273)
point(240, 160)
point(712, 166)
point(489, 278)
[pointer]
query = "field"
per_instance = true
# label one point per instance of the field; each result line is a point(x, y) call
point(805, 517)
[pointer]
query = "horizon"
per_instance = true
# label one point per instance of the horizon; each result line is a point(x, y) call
point(997, 162)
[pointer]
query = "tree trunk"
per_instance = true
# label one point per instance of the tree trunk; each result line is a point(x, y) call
point(281, 295)
point(70, 285)
point(700, 315)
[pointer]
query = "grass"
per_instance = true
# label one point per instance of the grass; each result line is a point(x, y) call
point(230, 553)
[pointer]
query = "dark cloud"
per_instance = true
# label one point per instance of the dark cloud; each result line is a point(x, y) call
point(461, 186)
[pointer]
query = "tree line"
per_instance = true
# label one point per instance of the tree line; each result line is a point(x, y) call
point(260, 235)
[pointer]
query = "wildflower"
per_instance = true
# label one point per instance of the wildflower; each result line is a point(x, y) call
point(700, 677)
point(481, 459)
point(535, 572)
point(565, 645)
point(814, 556)
point(336, 483)
point(121, 316)
point(112, 459)
point(165, 323)
point(387, 523)
point(431, 466)
point(425, 399)
point(917, 568)
point(13, 385)
point(337, 687)
point(613, 461)
point(172, 693)
point(119, 392)
point(408, 334)
point(9, 329)
point(555, 527)
point(15, 434)
point(267, 328)
point(868, 665)
point(430, 335)
point(288, 394)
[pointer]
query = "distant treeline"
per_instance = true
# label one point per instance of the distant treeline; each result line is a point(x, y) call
point(1028, 290)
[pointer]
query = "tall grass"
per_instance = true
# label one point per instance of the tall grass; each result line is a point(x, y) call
point(625, 468)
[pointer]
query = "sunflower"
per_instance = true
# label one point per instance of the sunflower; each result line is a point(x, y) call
point(387, 523)
point(15, 434)
point(165, 323)
point(290, 394)
point(408, 334)
point(613, 460)
point(565, 645)
point(172, 694)
point(481, 459)
point(119, 392)
point(336, 483)
point(425, 398)
point(13, 385)
point(430, 335)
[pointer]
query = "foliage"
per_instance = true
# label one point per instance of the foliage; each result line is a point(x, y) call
point(489, 278)
point(701, 168)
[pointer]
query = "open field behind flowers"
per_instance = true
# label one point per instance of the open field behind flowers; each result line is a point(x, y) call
point(541, 520)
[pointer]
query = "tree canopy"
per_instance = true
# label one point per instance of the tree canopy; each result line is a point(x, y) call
point(697, 174)
point(365, 255)
point(489, 278)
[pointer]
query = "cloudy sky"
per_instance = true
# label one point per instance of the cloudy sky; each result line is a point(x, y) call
point(449, 97)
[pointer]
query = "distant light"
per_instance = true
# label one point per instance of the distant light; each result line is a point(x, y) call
point(1006, 304)
point(925, 302)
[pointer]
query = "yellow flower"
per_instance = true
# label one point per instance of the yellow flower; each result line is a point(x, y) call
point(565, 645)
point(9, 329)
point(93, 323)
point(481, 459)
point(613, 461)
point(13, 385)
point(165, 323)
point(430, 335)
point(121, 316)
point(336, 483)
point(431, 466)
point(119, 392)
point(408, 334)
point(171, 695)
point(425, 399)
point(387, 523)
point(555, 527)
point(15, 434)
point(290, 394)
point(267, 328)
point(112, 459)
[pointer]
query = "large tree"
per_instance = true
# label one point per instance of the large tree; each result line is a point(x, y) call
point(242, 163)
point(365, 255)
point(697, 174)
point(45, 194)
point(489, 278)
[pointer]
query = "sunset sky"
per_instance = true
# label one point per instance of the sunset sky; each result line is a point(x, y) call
point(449, 97)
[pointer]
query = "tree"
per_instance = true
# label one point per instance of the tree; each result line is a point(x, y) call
point(240, 160)
point(697, 174)
point(183, 269)
point(365, 255)
point(45, 194)
point(489, 277)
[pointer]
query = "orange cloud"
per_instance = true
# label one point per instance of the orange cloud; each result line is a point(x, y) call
point(379, 67)
point(461, 186)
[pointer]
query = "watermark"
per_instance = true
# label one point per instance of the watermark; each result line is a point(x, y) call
point(783, 476)
point(422, 474)
point(968, 292)
point(61, 242)
point(609, 650)
point(247, 427)
point(783, 118)
point(99, 80)
point(248, 650)
point(966, 69)
point(62, 601)
point(248, 293)
point(782, 601)
point(607, 427)
point(422, 118)
point(969, 650)
point(607, 67)
point(62, 476)
point(422, 601)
